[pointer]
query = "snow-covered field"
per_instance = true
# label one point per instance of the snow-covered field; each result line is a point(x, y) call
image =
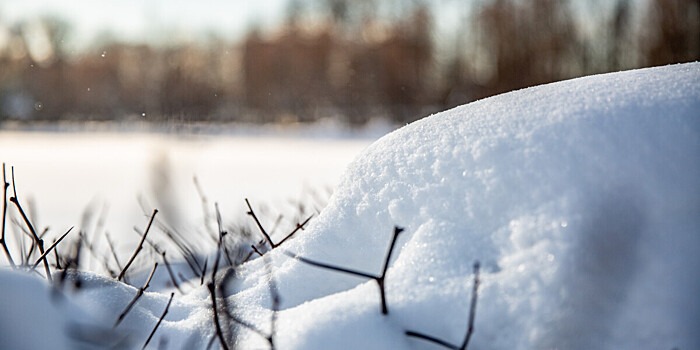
point(580, 199)
point(65, 175)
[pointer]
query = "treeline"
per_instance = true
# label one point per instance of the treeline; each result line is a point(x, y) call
point(354, 60)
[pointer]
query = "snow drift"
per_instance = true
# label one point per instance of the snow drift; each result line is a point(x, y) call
point(580, 198)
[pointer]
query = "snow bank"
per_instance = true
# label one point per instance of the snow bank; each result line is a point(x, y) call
point(580, 198)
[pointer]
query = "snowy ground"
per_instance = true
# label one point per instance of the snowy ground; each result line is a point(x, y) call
point(580, 199)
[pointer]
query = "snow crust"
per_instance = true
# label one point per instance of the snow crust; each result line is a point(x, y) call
point(580, 198)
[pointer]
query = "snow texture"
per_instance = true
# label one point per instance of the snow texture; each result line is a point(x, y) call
point(580, 198)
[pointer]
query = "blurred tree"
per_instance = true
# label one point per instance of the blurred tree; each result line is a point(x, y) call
point(528, 42)
point(672, 33)
point(339, 58)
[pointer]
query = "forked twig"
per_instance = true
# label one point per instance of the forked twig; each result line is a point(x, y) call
point(165, 312)
point(39, 242)
point(268, 239)
point(470, 325)
point(139, 247)
point(379, 278)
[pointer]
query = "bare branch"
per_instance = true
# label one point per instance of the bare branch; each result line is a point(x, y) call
point(379, 279)
point(4, 217)
point(470, 325)
point(39, 242)
point(217, 324)
point(257, 221)
point(298, 227)
point(472, 306)
point(165, 312)
point(49, 249)
point(138, 295)
point(139, 247)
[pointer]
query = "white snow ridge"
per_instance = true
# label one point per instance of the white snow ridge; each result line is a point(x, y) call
point(581, 200)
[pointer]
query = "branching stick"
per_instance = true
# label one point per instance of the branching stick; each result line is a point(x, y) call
point(378, 278)
point(39, 242)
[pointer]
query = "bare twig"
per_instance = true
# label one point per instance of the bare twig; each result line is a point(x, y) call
point(300, 226)
point(378, 278)
point(73, 263)
point(255, 249)
point(139, 247)
point(165, 312)
point(212, 291)
point(171, 274)
point(257, 222)
point(432, 340)
point(114, 253)
point(267, 238)
point(275, 299)
point(472, 306)
point(4, 216)
point(39, 242)
point(48, 250)
point(274, 295)
point(470, 325)
point(138, 295)
point(205, 207)
point(187, 254)
point(204, 272)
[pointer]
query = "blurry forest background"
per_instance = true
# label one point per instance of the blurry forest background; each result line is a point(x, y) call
point(341, 59)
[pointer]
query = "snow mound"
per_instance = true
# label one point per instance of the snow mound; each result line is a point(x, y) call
point(580, 198)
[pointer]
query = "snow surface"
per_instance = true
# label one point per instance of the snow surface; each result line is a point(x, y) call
point(580, 198)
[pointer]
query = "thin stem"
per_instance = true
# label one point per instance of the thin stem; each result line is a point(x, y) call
point(138, 295)
point(472, 306)
point(255, 249)
point(52, 246)
point(114, 252)
point(299, 227)
point(432, 340)
point(274, 295)
point(331, 267)
point(217, 324)
point(397, 231)
point(165, 312)
point(5, 186)
point(255, 217)
point(140, 246)
point(171, 274)
point(470, 325)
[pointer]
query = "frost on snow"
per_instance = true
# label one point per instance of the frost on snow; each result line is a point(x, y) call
point(580, 198)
